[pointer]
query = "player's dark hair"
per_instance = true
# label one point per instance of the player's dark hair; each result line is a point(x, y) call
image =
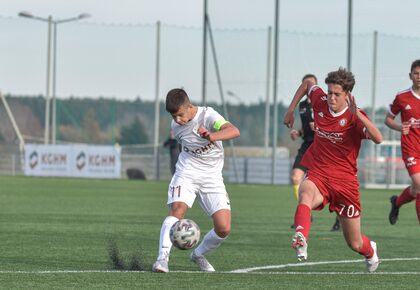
point(415, 64)
point(307, 76)
point(175, 99)
point(341, 77)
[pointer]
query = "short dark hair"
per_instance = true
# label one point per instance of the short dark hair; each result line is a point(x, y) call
point(415, 64)
point(175, 99)
point(341, 77)
point(307, 76)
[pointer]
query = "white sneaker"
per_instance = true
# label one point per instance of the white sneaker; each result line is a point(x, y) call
point(301, 247)
point(161, 266)
point(373, 262)
point(202, 262)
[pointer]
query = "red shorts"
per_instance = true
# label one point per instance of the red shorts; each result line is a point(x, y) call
point(412, 163)
point(342, 195)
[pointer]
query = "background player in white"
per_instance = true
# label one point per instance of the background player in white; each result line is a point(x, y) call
point(200, 131)
point(407, 103)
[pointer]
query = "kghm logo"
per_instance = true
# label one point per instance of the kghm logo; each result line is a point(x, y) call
point(81, 160)
point(33, 160)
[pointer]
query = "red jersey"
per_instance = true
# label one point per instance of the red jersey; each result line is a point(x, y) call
point(408, 104)
point(337, 141)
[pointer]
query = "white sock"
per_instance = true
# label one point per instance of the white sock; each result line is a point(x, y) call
point(165, 244)
point(210, 242)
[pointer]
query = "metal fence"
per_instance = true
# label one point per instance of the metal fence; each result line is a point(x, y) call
point(380, 172)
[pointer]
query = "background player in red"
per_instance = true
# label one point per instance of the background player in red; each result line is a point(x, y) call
point(331, 178)
point(407, 103)
point(307, 134)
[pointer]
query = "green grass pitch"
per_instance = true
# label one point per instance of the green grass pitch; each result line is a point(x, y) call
point(56, 233)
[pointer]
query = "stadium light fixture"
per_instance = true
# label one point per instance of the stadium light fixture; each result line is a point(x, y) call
point(52, 26)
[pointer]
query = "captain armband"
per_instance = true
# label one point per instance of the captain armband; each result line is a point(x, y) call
point(219, 123)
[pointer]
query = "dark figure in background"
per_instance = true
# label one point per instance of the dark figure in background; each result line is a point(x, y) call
point(174, 150)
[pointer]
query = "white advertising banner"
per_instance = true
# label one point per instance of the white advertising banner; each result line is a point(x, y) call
point(88, 161)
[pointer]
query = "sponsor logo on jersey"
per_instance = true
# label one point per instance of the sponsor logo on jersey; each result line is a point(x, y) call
point(323, 98)
point(411, 161)
point(321, 114)
point(343, 122)
point(408, 107)
point(332, 136)
point(201, 150)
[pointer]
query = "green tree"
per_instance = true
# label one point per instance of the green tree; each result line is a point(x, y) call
point(134, 133)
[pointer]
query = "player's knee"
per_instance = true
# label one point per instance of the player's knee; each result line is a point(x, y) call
point(222, 231)
point(295, 179)
point(178, 211)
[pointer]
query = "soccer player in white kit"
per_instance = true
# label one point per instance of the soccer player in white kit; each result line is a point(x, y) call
point(198, 175)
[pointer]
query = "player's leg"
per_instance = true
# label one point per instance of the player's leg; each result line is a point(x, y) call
point(358, 242)
point(309, 198)
point(217, 206)
point(181, 196)
point(397, 201)
point(177, 212)
point(296, 178)
point(409, 194)
point(213, 239)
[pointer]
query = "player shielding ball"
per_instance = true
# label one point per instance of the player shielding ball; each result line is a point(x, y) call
point(340, 126)
point(407, 103)
point(200, 131)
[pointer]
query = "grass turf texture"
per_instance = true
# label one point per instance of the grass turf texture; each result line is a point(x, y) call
point(69, 225)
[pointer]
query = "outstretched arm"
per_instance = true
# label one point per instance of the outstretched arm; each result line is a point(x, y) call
point(302, 90)
point(391, 123)
point(226, 132)
point(373, 133)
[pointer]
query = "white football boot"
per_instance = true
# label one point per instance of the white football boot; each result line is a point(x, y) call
point(301, 247)
point(161, 265)
point(373, 262)
point(202, 262)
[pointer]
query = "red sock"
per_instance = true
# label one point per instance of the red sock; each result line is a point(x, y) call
point(303, 219)
point(366, 249)
point(404, 197)
point(418, 206)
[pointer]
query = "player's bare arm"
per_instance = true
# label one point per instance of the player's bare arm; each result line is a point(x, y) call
point(226, 132)
point(390, 121)
point(302, 90)
point(373, 133)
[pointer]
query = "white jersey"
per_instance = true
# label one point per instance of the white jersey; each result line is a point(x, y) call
point(199, 156)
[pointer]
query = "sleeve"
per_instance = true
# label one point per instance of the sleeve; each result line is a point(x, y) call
point(316, 94)
point(214, 121)
point(395, 108)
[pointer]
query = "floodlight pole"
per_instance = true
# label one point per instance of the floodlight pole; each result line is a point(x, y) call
point(51, 53)
point(275, 111)
point(349, 32)
point(203, 92)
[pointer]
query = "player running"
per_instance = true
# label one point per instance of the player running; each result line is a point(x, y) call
point(307, 134)
point(200, 131)
point(407, 103)
point(331, 178)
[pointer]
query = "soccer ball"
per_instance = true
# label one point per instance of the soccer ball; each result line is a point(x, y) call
point(185, 234)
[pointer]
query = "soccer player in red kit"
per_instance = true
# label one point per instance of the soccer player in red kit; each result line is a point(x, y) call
point(407, 103)
point(331, 178)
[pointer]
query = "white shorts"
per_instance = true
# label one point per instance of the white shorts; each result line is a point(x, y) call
point(210, 193)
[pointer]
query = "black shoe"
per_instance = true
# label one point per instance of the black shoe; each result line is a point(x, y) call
point(336, 226)
point(292, 226)
point(393, 214)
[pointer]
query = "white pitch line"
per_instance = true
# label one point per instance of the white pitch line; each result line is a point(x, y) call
point(245, 270)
